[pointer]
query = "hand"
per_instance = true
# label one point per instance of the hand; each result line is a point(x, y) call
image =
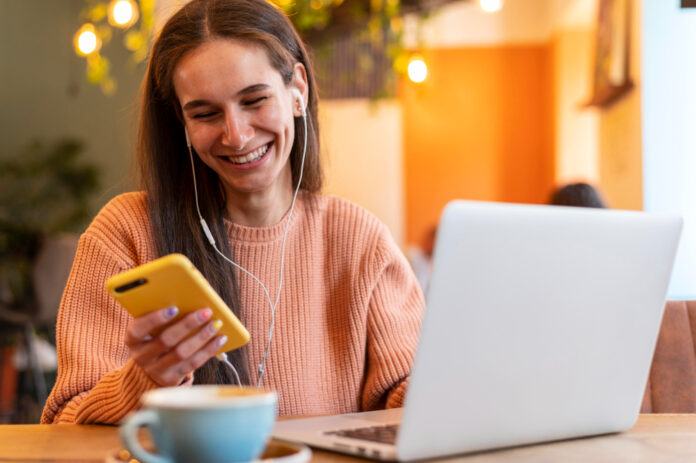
point(171, 355)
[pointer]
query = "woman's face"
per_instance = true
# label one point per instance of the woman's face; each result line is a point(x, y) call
point(239, 114)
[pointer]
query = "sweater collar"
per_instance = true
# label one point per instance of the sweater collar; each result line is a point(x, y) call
point(271, 233)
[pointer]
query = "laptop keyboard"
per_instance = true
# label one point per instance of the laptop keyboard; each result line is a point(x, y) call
point(385, 434)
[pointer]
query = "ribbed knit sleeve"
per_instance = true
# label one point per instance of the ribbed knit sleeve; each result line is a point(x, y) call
point(393, 322)
point(96, 382)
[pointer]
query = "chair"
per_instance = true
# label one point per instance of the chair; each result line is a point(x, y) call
point(50, 273)
point(671, 386)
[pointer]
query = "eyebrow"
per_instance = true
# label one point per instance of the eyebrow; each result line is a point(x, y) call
point(250, 89)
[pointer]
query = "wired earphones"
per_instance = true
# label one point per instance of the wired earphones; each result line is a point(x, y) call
point(204, 225)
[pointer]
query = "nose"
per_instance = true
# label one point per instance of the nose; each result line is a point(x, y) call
point(238, 132)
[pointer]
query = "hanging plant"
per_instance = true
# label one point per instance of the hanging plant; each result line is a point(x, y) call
point(356, 43)
point(128, 20)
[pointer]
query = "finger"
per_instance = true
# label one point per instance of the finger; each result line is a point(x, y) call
point(177, 332)
point(149, 352)
point(206, 353)
point(140, 328)
point(146, 352)
point(185, 349)
point(176, 373)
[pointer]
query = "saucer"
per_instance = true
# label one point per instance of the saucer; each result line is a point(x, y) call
point(285, 452)
point(276, 452)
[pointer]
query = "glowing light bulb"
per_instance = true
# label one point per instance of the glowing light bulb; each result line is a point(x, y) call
point(122, 13)
point(86, 40)
point(417, 70)
point(491, 6)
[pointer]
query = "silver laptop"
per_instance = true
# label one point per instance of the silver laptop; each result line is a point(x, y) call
point(540, 325)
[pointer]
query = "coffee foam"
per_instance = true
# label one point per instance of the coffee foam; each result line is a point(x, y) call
point(207, 396)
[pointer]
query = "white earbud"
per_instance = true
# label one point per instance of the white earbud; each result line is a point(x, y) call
point(298, 95)
point(188, 139)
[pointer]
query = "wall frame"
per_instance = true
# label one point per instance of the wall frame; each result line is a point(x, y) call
point(611, 79)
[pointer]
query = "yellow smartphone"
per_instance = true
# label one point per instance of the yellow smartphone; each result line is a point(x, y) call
point(173, 280)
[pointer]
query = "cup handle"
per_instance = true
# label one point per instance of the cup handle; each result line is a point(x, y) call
point(129, 436)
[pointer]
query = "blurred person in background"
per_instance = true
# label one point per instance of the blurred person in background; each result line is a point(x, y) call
point(577, 194)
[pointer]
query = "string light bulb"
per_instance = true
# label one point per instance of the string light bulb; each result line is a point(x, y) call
point(491, 6)
point(417, 69)
point(86, 40)
point(122, 13)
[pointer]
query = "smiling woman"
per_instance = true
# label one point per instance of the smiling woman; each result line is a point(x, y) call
point(242, 127)
point(224, 144)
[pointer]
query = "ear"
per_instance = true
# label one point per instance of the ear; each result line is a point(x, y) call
point(299, 82)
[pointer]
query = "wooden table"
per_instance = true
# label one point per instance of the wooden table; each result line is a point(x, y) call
point(655, 438)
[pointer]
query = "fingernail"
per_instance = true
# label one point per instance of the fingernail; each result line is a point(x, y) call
point(216, 325)
point(205, 314)
point(222, 340)
point(172, 311)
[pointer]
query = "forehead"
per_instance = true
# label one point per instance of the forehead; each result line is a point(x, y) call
point(223, 67)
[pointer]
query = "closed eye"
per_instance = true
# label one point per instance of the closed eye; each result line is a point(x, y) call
point(205, 115)
point(254, 101)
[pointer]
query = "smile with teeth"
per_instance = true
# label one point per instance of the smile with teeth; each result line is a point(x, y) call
point(250, 157)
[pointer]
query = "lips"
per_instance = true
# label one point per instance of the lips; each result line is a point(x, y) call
point(249, 157)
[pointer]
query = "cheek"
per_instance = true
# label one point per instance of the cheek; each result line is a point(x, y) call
point(208, 159)
point(276, 118)
point(204, 138)
point(273, 120)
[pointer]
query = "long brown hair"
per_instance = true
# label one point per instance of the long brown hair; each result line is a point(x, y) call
point(163, 156)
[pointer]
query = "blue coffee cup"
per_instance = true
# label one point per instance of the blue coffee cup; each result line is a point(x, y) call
point(202, 424)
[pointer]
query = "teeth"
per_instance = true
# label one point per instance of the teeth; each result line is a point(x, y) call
point(251, 157)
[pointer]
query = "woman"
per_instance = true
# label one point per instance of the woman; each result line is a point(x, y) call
point(231, 78)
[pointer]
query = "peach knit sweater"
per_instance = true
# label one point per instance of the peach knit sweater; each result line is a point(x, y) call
point(346, 325)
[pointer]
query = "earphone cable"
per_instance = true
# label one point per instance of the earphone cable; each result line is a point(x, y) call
point(282, 255)
point(223, 358)
point(262, 365)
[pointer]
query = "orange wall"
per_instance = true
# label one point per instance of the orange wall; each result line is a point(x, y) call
point(479, 127)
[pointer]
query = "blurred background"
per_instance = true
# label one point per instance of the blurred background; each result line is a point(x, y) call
point(423, 101)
